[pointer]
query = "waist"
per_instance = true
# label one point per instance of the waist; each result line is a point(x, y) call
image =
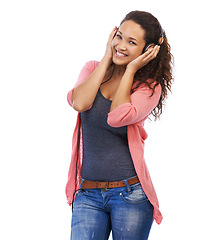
point(117, 184)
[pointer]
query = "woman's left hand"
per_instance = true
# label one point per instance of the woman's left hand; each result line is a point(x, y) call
point(144, 59)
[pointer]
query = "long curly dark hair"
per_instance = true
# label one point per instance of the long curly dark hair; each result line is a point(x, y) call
point(158, 70)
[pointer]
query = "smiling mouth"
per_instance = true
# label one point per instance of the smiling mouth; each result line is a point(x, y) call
point(120, 54)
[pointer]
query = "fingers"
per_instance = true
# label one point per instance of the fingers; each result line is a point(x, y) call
point(151, 53)
point(114, 30)
point(108, 52)
point(145, 58)
point(112, 34)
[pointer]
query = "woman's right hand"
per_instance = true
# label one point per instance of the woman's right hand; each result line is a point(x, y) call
point(109, 53)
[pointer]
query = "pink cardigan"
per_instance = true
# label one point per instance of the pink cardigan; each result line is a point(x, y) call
point(131, 114)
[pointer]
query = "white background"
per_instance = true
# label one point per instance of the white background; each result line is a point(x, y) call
point(43, 46)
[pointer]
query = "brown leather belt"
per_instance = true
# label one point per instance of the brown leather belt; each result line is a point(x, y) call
point(96, 184)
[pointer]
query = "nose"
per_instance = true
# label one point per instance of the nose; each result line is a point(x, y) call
point(122, 46)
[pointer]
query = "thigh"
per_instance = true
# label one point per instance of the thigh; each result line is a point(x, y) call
point(89, 220)
point(132, 215)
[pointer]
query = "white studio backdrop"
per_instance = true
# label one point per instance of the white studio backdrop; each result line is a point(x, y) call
point(43, 46)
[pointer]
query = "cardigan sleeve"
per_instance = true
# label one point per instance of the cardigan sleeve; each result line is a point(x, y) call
point(86, 71)
point(141, 105)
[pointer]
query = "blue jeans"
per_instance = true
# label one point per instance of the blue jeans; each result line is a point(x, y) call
point(126, 211)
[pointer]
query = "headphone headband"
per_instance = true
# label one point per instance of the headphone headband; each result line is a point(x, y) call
point(160, 40)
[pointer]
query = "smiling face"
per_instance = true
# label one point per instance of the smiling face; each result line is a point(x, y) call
point(128, 43)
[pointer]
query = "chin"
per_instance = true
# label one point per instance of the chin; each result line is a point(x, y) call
point(120, 62)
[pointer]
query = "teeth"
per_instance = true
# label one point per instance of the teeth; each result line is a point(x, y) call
point(120, 54)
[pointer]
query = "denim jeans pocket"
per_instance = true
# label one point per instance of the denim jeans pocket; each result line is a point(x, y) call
point(135, 196)
point(79, 192)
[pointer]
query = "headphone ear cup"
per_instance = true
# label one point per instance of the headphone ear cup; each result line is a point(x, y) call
point(147, 46)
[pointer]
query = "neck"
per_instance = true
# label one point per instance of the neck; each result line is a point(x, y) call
point(113, 72)
point(119, 70)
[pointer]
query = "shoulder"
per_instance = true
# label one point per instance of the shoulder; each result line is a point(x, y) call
point(87, 70)
point(91, 65)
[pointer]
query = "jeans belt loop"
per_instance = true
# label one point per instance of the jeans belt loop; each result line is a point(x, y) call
point(82, 181)
point(128, 186)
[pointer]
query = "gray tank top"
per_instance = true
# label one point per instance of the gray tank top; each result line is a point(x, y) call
point(106, 155)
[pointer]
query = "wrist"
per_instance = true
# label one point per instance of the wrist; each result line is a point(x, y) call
point(131, 70)
point(107, 60)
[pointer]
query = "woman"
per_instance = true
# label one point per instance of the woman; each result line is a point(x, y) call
point(108, 177)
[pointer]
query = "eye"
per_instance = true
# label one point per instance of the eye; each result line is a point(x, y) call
point(131, 42)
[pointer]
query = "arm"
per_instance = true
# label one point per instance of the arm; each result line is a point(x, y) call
point(122, 94)
point(126, 109)
point(85, 73)
point(139, 107)
point(83, 95)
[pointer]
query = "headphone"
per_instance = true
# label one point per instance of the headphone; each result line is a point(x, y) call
point(160, 41)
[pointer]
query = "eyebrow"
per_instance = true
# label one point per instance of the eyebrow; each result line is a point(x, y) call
point(129, 37)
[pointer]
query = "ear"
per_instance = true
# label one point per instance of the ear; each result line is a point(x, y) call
point(160, 40)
